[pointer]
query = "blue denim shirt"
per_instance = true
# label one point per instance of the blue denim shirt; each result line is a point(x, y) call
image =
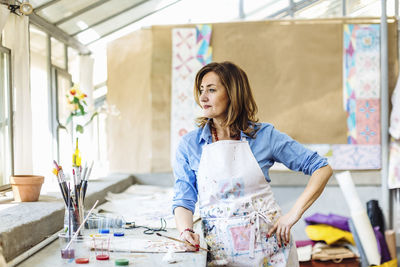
point(268, 146)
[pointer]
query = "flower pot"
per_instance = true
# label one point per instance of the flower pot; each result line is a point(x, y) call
point(26, 188)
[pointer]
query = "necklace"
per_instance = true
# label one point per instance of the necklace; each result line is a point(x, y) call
point(214, 132)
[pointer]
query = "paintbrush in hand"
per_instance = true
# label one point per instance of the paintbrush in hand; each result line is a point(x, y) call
point(178, 240)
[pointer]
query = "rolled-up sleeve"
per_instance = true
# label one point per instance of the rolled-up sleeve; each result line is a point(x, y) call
point(185, 189)
point(294, 155)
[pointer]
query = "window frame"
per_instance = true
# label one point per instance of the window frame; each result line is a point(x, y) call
point(10, 119)
point(57, 125)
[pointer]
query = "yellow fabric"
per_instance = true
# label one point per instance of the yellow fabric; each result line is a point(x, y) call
point(328, 233)
point(392, 263)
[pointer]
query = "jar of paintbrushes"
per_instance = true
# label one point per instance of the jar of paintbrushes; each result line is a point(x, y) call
point(73, 191)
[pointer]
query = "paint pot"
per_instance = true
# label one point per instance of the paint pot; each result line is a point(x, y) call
point(101, 243)
point(102, 257)
point(121, 262)
point(82, 260)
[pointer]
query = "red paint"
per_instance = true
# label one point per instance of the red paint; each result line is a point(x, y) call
point(102, 257)
point(82, 261)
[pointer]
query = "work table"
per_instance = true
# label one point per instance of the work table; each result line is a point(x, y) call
point(50, 255)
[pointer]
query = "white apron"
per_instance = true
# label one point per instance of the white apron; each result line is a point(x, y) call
point(238, 208)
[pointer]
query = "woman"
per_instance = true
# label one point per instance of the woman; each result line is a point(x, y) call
point(224, 164)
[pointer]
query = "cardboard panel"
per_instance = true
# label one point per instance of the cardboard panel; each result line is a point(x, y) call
point(161, 99)
point(129, 72)
point(294, 67)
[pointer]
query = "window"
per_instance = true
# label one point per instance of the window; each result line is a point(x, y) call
point(62, 82)
point(6, 148)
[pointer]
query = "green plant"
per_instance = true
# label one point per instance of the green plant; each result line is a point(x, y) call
point(78, 107)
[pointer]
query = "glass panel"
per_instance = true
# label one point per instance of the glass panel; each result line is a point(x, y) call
point(5, 127)
point(259, 10)
point(100, 66)
point(98, 95)
point(206, 11)
point(63, 9)
point(363, 8)
point(37, 3)
point(57, 53)
point(390, 8)
point(73, 64)
point(273, 8)
point(322, 9)
point(97, 14)
point(100, 138)
point(42, 148)
point(64, 136)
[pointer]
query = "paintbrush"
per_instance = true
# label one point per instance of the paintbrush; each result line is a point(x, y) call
point(178, 240)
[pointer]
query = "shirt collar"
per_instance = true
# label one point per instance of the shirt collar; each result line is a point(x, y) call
point(206, 134)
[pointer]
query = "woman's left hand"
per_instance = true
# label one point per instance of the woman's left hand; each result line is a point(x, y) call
point(282, 227)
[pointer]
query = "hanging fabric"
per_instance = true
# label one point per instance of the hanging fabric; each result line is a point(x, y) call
point(4, 13)
point(16, 38)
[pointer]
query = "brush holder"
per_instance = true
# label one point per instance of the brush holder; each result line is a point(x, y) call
point(75, 220)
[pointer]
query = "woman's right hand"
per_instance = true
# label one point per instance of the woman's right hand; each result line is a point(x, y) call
point(193, 239)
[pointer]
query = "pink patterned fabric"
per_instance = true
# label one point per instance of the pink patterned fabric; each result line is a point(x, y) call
point(368, 121)
point(356, 157)
point(190, 51)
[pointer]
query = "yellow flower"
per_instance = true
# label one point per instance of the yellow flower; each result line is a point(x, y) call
point(82, 96)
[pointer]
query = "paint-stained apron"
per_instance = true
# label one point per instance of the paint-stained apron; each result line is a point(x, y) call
point(238, 208)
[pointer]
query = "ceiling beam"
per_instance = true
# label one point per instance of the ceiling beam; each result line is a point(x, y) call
point(81, 11)
point(110, 17)
point(136, 20)
point(57, 33)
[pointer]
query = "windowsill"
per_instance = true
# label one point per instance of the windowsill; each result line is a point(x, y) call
point(26, 224)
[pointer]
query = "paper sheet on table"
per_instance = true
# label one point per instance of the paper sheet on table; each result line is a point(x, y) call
point(143, 204)
point(137, 245)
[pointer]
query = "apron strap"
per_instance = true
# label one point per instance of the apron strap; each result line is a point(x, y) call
point(255, 229)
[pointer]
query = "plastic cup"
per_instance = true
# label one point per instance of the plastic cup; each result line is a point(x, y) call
point(78, 251)
point(82, 247)
point(67, 254)
point(118, 226)
point(101, 243)
point(92, 225)
point(105, 224)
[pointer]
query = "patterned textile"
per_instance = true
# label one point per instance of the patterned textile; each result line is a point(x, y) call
point(356, 157)
point(361, 80)
point(190, 51)
point(361, 99)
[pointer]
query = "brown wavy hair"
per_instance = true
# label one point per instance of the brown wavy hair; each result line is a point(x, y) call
point(242, 109)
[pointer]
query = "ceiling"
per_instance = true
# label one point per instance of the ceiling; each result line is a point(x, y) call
point(80, 23)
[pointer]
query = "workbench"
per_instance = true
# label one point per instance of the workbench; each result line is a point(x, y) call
point(50, 255)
